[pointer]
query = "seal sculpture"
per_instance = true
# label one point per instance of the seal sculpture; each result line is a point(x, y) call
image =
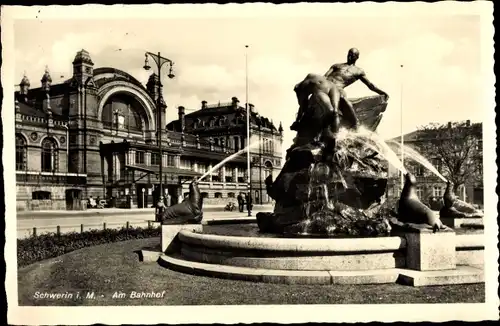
point(412, 210)
point(187, 212)
point(456, 208)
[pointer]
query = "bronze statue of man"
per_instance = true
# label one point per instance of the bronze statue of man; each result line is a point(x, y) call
point(332, 84)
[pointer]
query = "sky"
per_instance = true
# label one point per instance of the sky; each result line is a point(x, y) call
point(441, 55)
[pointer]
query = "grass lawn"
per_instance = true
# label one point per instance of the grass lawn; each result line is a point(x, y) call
point(114, 267)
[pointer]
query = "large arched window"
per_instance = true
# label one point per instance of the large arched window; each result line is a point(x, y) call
point(49, 155)
point(21, 153)
point(122, 112)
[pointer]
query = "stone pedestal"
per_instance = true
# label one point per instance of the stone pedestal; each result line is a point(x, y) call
point(454, 222)
point(169, 235)
point(428, 251)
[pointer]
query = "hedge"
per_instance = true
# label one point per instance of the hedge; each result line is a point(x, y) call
point(49, 245)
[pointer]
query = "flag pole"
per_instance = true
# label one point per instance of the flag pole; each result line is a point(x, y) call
point(247, 107)
point(402, 137)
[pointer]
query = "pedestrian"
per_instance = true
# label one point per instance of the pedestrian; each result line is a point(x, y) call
point(168, 200)
point(240, 202)
point(160, 210)
point(248, 200)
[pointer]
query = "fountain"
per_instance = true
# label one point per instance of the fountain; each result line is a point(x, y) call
point(339, 195)
point(330, 223)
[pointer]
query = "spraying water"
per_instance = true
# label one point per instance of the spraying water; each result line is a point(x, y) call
point(414, 155)
point(373, 141)
point(227, 159)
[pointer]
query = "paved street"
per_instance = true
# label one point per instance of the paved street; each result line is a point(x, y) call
point(114, 218)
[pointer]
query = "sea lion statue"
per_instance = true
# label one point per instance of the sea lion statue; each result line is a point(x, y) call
point(456, 208)
point(412, 210)
point(187, 212)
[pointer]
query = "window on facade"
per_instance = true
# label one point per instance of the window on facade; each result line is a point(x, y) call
point(215, 178)
point(170, 160)
point(437, 191)
point(230, 195)
point(229, 178)
point(21, 153)
point(241, 176)
point(420, 192)
point(204, 195)
point(186, 164)
point(139, 157)
point(155, 159)
point(218, 195)
point(40, 195)
point(236, 144)
point(419, 170)
point(49, 155)
point(437, 163)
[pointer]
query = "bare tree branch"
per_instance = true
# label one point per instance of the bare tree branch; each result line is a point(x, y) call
point(456, 146)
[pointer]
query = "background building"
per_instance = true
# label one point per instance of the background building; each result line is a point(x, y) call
point(455, 150)
point(95, 135)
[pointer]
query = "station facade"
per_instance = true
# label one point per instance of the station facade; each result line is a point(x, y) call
point(95, 135)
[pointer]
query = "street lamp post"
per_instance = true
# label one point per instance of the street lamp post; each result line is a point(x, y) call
point(160, 61)
point(247, 107)
point(402, 137)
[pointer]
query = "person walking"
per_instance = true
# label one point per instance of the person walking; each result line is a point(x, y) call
point(240, 202)
point(168, 200)
point(248, 200)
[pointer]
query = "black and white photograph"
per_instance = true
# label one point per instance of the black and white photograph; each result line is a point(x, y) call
point(202, 163)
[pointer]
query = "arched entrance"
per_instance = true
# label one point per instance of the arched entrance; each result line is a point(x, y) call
point(74, 199)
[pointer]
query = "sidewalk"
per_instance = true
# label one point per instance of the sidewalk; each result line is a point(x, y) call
point(118, 211)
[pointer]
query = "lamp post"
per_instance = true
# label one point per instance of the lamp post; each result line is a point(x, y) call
point(402, 137)
point(247, 107)
point(160, 61)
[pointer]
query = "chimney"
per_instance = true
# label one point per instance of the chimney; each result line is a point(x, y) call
point(234, 101)
point(203, 104)
point(467, 123)
point(182, 111)
point(449, 124)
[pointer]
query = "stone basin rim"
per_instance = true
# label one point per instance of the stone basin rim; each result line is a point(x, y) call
point(374, 244)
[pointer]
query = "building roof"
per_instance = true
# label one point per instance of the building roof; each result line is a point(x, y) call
point(223, 109)
point(118, 75)
point(418, 135)
point(28, 110)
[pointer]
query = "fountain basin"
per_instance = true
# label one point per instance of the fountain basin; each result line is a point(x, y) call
point(353, 254)
point(274, 259)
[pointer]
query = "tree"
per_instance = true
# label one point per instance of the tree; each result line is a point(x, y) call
point(456, 147)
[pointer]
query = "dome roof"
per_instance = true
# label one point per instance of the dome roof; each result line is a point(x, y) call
point(83, 56)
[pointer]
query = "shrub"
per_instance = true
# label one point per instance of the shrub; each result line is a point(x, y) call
point(49, 245)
